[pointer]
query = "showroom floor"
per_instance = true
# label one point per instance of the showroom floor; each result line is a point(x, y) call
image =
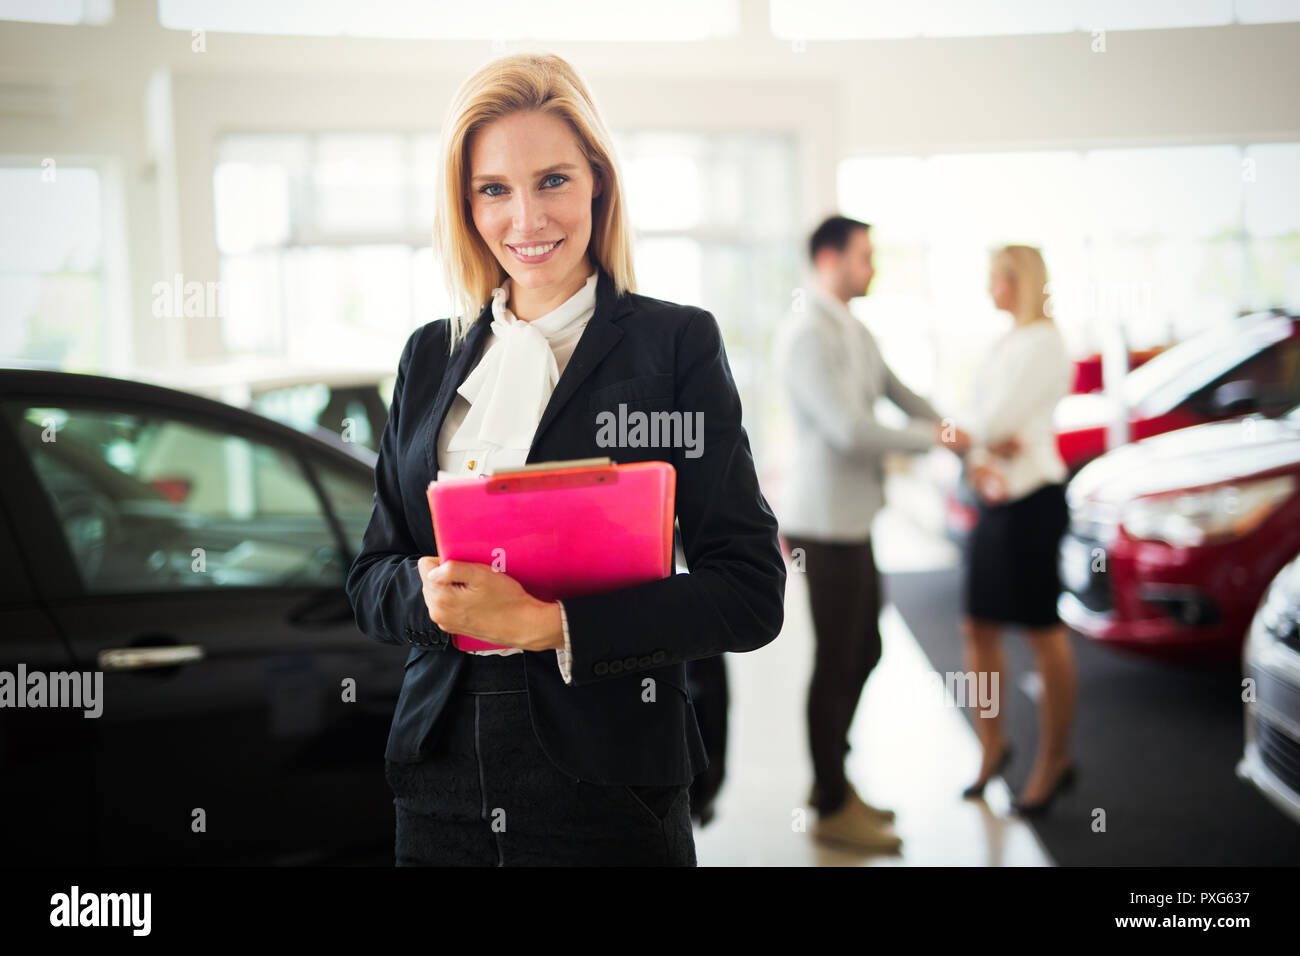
point(911, 750)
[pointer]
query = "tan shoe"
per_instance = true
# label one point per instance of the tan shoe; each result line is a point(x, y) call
point(852, 826)
point(880, 813)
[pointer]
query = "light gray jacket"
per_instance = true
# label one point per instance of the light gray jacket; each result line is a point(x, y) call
point(833, 372)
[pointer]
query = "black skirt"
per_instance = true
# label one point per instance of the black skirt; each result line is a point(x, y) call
point(1011, 559)
point(490, 796)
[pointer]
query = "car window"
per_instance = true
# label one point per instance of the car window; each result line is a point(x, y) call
point(1272, 376)
point(147, 502)
point(15, 588)
point(1170, 377)
point(352, 497)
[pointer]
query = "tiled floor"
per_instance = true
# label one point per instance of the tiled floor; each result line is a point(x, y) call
point(912, 750)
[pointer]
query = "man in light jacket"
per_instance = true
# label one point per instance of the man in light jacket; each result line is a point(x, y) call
point(833, 373)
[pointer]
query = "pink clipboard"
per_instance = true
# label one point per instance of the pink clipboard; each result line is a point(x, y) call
point(561, 529)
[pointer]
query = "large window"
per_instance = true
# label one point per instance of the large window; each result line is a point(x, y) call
point(325, 244)
point(881, 19)
point(666, 20)
point(65, 12)
point(714, 216)
point(52, 291)
point(1160, 243)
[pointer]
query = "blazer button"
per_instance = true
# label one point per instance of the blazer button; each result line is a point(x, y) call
point(657, 657)
point(601, 668)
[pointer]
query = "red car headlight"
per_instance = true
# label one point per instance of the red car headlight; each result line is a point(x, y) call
point(1221, 513)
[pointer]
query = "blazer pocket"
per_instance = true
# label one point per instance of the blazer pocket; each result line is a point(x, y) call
point(645, 390)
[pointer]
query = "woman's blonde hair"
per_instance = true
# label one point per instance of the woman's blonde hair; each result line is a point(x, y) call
point(523, 82)
point(1025, 265)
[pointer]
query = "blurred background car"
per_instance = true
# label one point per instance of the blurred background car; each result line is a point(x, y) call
point(1088, 370)
point(349, 402)
point(196, 554)
point(1250, 365)
point(1271, 658)
point(1174, 539)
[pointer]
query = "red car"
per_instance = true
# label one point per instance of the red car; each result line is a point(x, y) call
point(1174, 540)
point(1088, 370)
point(1249, 365)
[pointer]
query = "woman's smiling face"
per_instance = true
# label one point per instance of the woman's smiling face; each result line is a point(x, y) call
point(530, 194)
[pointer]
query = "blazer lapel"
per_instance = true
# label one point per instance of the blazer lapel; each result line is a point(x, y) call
point(457, 370)
point(600, 335)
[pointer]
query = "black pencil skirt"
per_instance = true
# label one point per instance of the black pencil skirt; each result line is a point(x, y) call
point(490, 796)
point(1012, 573)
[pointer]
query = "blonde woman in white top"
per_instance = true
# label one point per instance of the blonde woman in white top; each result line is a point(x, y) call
point(1011, 564)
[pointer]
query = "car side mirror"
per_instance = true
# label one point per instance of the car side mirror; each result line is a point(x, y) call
point(1235, 398)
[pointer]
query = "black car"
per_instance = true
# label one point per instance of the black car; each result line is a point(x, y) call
point(189, 558)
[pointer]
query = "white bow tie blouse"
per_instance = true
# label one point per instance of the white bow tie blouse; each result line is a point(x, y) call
point(496, 410)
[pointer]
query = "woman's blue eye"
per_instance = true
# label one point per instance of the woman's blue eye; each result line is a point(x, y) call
point(484, 189)
point(558, 176)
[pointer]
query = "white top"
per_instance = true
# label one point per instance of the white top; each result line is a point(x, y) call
point(1025, 374)
point(494, 415)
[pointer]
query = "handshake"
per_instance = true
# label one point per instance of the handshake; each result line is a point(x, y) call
point(987, 480)
point(958, 441)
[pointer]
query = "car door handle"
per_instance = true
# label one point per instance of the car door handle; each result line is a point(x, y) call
point(141, 658)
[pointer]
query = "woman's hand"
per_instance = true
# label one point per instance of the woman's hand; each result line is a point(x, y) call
point(1009, 447)
point(988, 483)
point(464, 597)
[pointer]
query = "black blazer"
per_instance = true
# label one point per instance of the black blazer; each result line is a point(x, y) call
point(651, 355)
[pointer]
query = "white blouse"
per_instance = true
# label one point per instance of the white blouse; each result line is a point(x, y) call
point(1026, 373)
point(562, 327)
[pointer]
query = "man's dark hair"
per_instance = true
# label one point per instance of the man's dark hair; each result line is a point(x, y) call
point(833, 232)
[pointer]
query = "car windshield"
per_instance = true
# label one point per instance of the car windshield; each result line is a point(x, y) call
point(1171, 376)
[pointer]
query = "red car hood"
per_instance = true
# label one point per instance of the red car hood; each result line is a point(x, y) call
point(1190, 458)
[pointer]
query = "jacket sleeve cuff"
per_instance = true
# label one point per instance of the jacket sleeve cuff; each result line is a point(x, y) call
point(562, 654)
point(420, 629)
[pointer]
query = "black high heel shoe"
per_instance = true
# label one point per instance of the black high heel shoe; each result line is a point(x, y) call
point(976, 789)
point(1064, 782)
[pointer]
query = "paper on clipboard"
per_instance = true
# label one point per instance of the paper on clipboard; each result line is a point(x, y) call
point(561, 529)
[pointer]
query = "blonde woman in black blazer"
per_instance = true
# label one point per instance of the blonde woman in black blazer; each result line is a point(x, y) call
point(579, 747)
